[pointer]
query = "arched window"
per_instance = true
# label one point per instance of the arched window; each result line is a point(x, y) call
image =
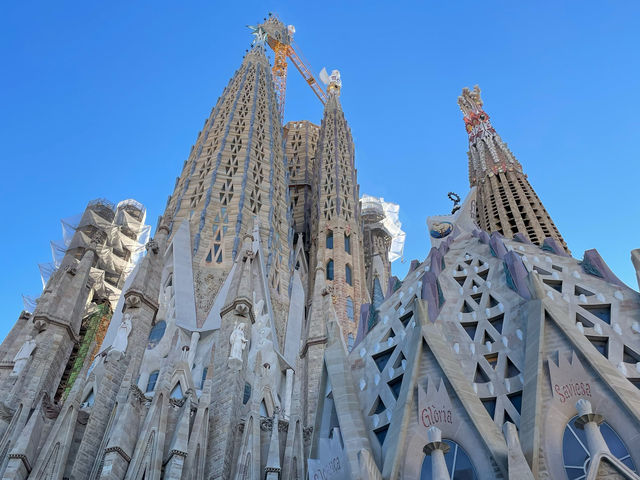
point(347, 273)
point(378, 296)
point(88, 401)
point(458, 463)
point(247, 393)
point(350, 309)
point(577, 458)
point(347, 243)
point(151, 384)
point(204, 376)
point(329, 240)
point(156, 334)
point(330, 270)
point(177, 391)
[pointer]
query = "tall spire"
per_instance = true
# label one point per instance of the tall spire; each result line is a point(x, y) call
point(336, 217)
point(506, 201)
point(235, 173)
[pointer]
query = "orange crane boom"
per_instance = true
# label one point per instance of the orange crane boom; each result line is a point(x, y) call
point(280, 39)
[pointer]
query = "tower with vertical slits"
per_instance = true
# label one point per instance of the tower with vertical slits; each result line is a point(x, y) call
point(506, 201)
point(235, 173)
point(336, 223)
point(301, 139)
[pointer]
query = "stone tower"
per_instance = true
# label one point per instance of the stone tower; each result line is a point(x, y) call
point(337, 226)
point(235, 173)
point(506, 202)
point(377, 243)
point(337, 256)
point(301, 140)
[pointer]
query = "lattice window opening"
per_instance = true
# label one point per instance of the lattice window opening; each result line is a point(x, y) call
point(255, 200)
point(204, 171)
point(226, 192)
point(231, 166)
point(239, 126)
point(257, 174)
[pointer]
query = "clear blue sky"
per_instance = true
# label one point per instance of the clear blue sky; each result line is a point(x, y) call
point(104, 99)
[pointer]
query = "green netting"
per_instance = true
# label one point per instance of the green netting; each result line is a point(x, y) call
point(92, 323)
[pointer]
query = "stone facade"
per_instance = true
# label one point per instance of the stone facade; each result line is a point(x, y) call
point(243, 347)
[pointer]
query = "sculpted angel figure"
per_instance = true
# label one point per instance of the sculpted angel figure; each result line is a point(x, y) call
point(122, 336)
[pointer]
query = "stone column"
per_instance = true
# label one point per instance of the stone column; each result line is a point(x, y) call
point(288, 392)
point(437, 448)
point(590, 422)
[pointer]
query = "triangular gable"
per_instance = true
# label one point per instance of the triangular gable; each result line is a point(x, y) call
point(483, 423)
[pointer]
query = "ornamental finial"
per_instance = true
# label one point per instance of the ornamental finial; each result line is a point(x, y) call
point(470, 101)
point(476, 119)
point(259, 34)
point(333, 81)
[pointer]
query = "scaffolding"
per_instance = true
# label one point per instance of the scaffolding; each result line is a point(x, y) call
point(116, 232)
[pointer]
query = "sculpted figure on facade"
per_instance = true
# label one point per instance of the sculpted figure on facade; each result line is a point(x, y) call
point(122, 336)
point(22, 357)
point(238, 343)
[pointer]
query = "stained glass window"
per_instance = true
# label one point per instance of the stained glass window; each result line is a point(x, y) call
point(350, 309)
point(577, 458)
point(156, 334)
point(330, 270)
point(151, 384)
point(458, 464)
point(329, 240)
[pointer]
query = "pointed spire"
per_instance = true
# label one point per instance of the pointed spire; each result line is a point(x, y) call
point(506, 202)
point(337, 227)
point(489, 155)
point(235, 172)
point(272, 469)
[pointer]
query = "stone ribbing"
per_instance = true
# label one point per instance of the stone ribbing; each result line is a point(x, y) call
point(234, 174)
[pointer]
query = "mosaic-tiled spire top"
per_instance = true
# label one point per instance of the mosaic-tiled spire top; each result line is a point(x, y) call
point(236, 172)
point(488, 154)
point(506, 202)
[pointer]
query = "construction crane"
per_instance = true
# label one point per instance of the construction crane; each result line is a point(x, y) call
point(280, 39)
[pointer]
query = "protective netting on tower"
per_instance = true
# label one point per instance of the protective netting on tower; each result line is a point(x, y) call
point(94, 326)
point(389, 219)
point(117, 233)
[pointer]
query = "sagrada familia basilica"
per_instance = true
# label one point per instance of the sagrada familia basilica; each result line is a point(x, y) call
point(260, 335)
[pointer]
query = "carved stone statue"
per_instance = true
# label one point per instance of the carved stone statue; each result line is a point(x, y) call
point(238, 343)
point(22, 357)
point(122, 336)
